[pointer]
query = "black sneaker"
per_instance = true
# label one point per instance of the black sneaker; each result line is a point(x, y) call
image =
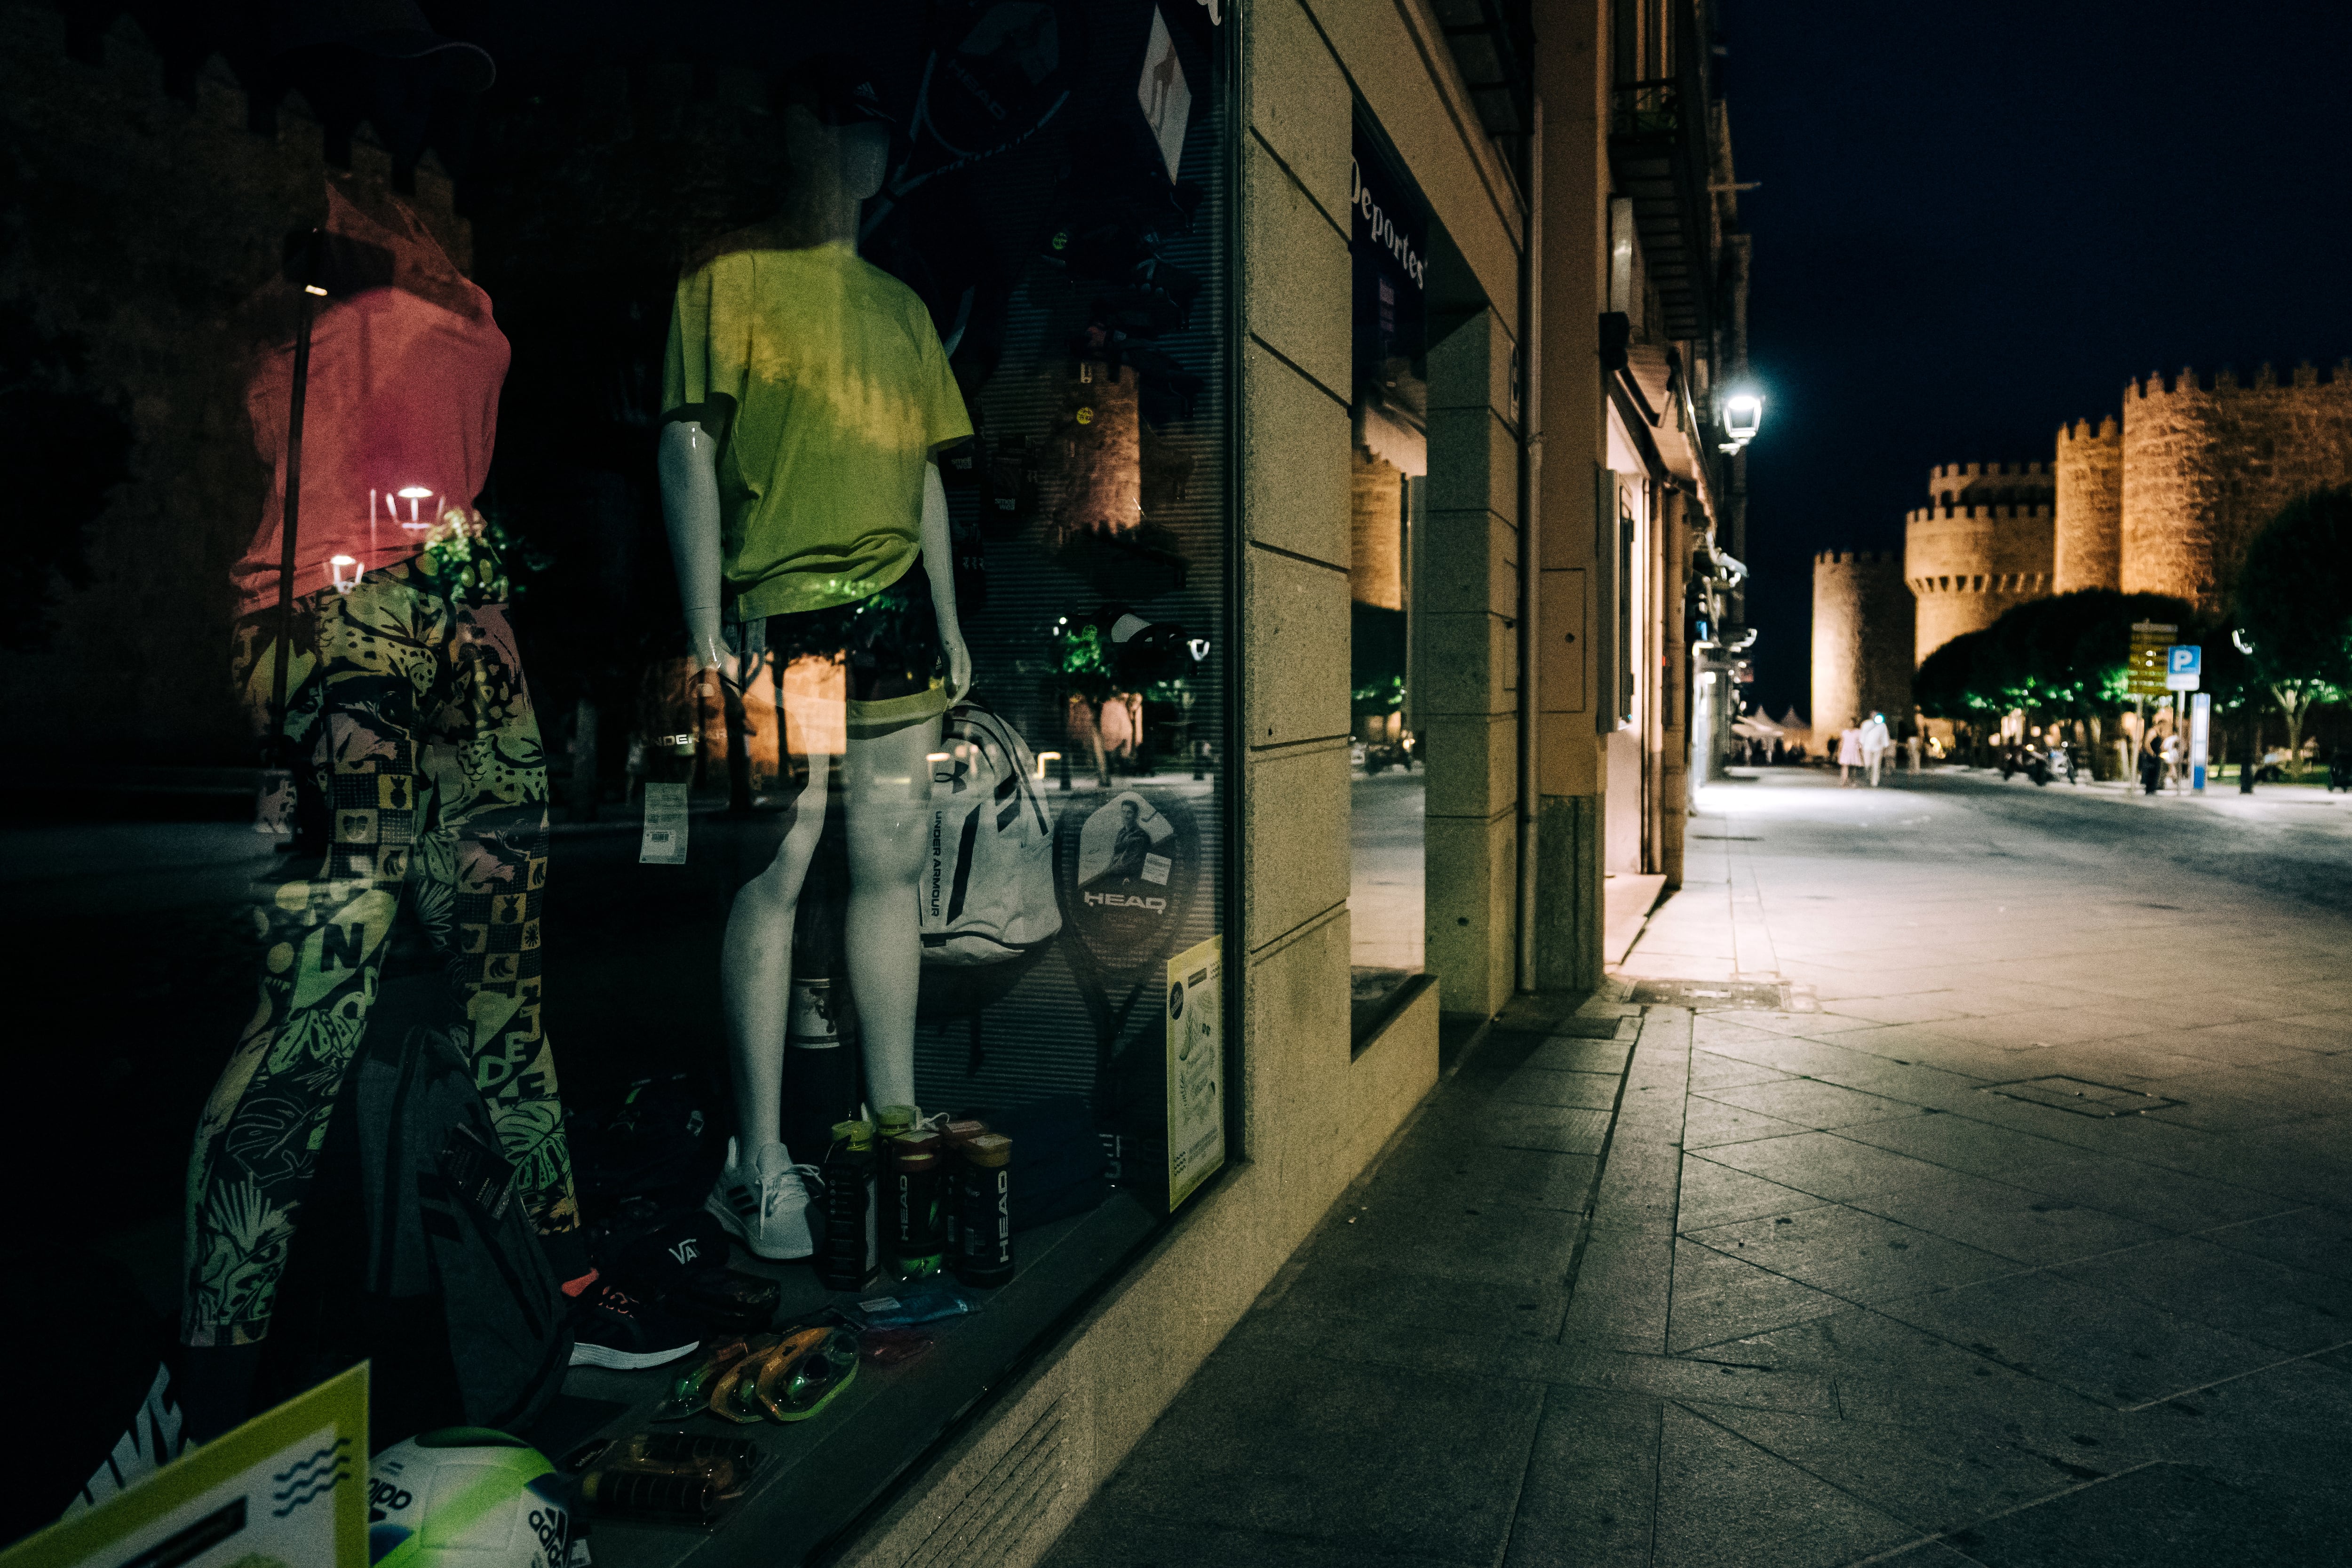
point(611, 1328)
point(677, 1257)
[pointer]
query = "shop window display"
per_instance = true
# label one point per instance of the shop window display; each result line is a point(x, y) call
point(1389, 258)
point(732, 614)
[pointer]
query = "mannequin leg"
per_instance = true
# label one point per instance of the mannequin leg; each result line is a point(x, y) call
point(756, 967)
point(888, 789)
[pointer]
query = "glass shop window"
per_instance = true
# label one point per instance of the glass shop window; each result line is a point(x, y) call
point(1388, 255)
point(625, 676)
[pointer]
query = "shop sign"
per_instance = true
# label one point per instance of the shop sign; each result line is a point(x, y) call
point(1389, 243)
point(287, 1486)
point(1389, 228)
point(1196, 1068)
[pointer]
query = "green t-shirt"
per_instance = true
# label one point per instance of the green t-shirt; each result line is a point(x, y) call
point(823, 382)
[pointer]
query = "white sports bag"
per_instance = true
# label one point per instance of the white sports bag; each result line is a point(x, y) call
point(987, 890)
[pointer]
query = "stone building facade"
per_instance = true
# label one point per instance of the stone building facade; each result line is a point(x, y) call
point(2207, 463)
point(2162, 500)
point(1862, 638)
point(1969, 562)
point(2089, 505)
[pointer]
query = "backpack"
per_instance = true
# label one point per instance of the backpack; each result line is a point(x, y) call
point(987, 891)
point(415, 1254)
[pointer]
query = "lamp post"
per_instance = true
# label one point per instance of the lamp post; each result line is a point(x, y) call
point(1740, 413)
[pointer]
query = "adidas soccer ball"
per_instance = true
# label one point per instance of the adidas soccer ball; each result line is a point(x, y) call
point(465, 1496)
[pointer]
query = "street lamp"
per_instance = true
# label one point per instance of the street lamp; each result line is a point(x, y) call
point(412, 494)
point(1742, 415)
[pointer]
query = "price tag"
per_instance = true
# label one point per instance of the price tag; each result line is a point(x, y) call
point(665, 839)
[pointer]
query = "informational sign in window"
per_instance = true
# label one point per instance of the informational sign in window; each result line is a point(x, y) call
point(287, 1486)
point(1196, 1067)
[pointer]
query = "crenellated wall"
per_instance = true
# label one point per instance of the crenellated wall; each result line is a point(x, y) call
point(1861, 639)
point(1966, 564)
point(2206, 464)
point(2088, 545)
point(1989, 484)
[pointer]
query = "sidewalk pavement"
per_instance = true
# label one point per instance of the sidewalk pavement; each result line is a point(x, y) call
point(1800, 1264)
point(2219, 794)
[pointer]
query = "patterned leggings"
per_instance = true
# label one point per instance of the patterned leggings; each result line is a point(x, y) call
point(409, 709)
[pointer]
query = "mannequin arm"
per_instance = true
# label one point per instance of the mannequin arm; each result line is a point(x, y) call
point(939, 553)
point(688, 463)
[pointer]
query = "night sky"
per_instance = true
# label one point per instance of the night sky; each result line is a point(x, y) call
point(1978, 221)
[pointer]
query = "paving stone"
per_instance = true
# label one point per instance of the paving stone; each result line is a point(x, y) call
point(1619, 1024)
point(1920, 1007)
point(1641, 1182)
point(1341, 1304)
point(2292, 1421)
point(1692, 1374)
point(2317, 1241)
point(1121, 1538)
point(1707, 1123)
point(2255, 1298)
point(1848, 1253)
point(1560, 1129)
point(1592, 1485)
point(1824, 1164)
point(1810, 1103)
point(1623, 1288)
point(1445, 1169)
point(1926, 1554)
point(1714, 1193)
point(2166, 1513)
point(1586, 1090)
point(1717, 1298)
point(2025, 1226)
point(2115, 1349)
point(1709, 1071)
point(1579, 1056)
point(1275, 1443)
point(1722, 1500)
point(1408, 1231)
point(1887, 1371)
point(1807, 1026)
point(1935, 1477)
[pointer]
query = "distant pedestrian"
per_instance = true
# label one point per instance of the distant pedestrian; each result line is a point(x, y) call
point(1877, 742)
point(1849, 753)
point(1913, 748)
point(2151, 766)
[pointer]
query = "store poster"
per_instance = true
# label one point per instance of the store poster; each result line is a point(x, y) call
point(287, 1489)
point(1196, 1068)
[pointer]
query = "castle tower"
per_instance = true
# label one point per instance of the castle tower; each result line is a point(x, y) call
point(1990, 484)
point(2204, 468)
point(2088, 512)
point(1861, 639)
point(1967, 563)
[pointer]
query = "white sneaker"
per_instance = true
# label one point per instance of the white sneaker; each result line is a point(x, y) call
point(766, 1204)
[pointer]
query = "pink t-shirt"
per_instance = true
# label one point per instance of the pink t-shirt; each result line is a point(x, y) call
point(402, 394)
